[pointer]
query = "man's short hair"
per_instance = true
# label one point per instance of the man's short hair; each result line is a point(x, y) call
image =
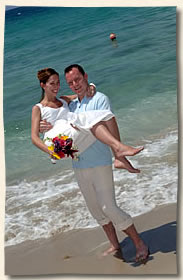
point(79, 67)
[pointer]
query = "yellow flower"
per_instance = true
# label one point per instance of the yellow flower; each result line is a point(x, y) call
point(64, 137)
point(51, 148)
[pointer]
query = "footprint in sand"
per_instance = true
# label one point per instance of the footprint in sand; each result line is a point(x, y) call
point(67, 257)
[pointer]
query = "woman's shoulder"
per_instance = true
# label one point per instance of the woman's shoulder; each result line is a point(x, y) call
point(38, 105)
point(36, 110)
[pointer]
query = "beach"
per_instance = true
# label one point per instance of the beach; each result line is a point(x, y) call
point(80, 251)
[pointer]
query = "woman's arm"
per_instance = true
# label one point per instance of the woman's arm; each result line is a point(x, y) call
point(90, 93)
point(69, 98)
point(36, 117)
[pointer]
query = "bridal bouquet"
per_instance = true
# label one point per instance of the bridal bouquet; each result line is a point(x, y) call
point(62, 146)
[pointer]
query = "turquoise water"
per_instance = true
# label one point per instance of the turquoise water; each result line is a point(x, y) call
point(142, 66)
point(137, 73)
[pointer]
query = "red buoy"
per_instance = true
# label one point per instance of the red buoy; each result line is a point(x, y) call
point(112, 36)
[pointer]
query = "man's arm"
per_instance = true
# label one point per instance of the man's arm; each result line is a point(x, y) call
point(44, 126)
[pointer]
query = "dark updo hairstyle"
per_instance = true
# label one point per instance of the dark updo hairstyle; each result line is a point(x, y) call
point(43, 76)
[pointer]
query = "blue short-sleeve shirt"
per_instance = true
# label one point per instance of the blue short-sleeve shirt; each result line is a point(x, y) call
point(98, 154)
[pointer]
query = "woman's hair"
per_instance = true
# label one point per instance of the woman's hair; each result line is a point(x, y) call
point(43, 76)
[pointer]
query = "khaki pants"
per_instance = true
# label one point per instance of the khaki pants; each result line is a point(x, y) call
point(97, 187)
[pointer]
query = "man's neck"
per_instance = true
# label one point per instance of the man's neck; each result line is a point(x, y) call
point(81, 96)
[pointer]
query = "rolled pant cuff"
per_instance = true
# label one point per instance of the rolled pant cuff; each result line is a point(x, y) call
point(103, 222)
point(124, 225)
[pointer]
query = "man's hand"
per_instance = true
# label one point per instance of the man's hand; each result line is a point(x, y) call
point(44, 126)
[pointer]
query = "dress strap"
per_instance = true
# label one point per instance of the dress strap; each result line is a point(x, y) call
point(39, 105)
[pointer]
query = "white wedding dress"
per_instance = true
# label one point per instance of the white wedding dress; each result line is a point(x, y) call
point(61, 119)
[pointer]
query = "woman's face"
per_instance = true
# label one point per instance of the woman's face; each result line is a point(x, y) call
point(52, 86)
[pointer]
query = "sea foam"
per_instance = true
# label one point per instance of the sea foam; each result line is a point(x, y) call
point(43, 208)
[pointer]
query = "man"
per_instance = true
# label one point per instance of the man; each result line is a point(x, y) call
point(94, 173)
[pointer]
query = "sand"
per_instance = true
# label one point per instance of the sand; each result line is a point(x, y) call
point(80, 251)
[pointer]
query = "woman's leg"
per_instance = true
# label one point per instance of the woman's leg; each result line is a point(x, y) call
point(123, 163)
point(102, 133)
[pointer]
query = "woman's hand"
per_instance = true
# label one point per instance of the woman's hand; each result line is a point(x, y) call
point(92, 90)
point(44, 126)
point(75, 127)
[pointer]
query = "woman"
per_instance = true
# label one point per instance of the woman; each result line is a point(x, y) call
point(80, 127)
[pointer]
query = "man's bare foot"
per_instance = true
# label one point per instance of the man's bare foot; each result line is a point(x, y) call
point(123, 163)
point(116, 252)
point(109, 251)
point(142, 253)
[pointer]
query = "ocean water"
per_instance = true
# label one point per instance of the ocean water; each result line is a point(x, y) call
point(137, 72)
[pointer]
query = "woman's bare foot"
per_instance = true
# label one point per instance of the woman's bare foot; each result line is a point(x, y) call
point(124, 150)
point(123, 163)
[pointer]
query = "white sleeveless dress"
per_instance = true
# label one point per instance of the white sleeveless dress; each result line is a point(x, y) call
point(61, 119)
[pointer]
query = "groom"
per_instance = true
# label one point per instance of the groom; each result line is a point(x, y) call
point(93, 171)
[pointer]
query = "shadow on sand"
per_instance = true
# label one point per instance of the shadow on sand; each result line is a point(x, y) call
point(160, 239)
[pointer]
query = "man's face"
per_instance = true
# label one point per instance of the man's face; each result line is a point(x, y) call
point(77, 82)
